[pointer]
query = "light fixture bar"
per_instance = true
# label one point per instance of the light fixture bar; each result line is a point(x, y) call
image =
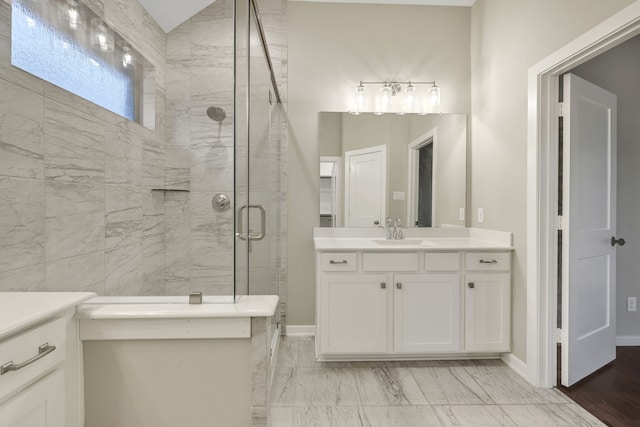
point(395, 96)
point(391, 82)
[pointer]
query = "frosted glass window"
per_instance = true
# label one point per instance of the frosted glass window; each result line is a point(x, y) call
point(50, 50)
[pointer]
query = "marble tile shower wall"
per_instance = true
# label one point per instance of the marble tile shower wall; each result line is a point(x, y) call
point(76, 207)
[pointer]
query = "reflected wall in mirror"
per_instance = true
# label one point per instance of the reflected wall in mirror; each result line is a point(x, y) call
point(411, 167)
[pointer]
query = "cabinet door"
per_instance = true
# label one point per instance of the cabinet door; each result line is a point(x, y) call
point(488, 312)
point(426, 313)
point(353, 313)
point(40, 405)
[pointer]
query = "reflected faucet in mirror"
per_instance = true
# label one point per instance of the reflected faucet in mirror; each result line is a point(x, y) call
point(411, 167)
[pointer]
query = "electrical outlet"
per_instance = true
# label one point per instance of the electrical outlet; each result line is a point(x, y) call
point(461, 214)
point(480, 215)
point(631, 303)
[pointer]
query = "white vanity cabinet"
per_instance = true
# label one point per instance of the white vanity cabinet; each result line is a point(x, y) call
point(403, 304)
point(38, 359)
point(354, 314)
point(487, 302)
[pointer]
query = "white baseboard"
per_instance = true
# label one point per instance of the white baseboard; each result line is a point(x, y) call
point(301, 330)
point(518, 366)
point(628, 341)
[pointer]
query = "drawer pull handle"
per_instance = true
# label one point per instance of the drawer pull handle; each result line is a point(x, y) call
point(472, 285)
point(343, 262)
point(43, 350)
point(383, 285)
point(493, 261)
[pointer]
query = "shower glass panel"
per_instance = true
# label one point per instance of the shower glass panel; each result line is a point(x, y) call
point(257, 161)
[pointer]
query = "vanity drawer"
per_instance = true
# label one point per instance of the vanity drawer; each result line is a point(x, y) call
point(26, 346)
point(488, 261)
point(338, 261)
point(389, 261)
point(442, 261)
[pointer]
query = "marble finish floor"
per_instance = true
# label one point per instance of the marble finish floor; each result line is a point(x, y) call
point(410, 394)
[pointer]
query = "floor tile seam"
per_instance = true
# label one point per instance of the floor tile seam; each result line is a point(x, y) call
point(411, 371)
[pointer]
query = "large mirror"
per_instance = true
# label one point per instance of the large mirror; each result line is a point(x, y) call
point(409, 167)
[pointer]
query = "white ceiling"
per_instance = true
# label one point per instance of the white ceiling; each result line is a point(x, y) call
point(171, 13)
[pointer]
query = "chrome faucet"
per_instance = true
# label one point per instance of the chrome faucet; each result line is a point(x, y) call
point(397, 230)
point(388, 224)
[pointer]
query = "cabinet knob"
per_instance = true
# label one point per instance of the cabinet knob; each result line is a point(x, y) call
point(399, 285)
point(472, 285)
point(383, 285)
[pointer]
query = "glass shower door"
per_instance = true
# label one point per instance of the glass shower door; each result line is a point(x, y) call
point(258, 174)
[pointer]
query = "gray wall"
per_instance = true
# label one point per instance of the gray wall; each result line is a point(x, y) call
point(326, 62)
point(617, 71)
point(507, 38)
point(76, 208)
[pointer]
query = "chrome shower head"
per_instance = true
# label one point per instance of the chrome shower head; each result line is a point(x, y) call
point(216, 114)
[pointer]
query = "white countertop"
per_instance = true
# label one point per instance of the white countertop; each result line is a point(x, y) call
point(21, 310)
point(416, 239)
point(411, 244)
point(176, 308)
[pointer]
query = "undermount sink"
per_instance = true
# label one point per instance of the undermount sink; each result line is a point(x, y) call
point(403, 242)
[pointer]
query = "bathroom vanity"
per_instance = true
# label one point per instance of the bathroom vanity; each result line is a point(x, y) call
point(438, 293)
point(39, 364)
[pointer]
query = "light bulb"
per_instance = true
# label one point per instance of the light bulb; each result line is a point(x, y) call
point(74, 14)
point(127, 57)
point(101, 35)
point(434, 96)
point(358, 101)
point(384, 100)
point(409, 98)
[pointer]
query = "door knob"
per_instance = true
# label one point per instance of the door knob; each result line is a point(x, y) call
point(615, 241)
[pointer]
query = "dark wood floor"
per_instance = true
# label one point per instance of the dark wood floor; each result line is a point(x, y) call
point(612, 393)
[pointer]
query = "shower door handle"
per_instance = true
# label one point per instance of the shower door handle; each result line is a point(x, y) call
point(263, 222)
point(240, 233)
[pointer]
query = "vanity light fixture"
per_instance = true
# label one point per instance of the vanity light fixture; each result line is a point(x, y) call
point(411, 99)
point(127, 56)
point(69, 12)
point(101, 35)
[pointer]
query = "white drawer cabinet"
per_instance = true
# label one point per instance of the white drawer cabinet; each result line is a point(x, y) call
point(40, 374)
point(40, 405)
point(410, 304)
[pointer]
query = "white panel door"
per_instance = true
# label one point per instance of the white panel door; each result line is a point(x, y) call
point(589, 203)
point(365, 187)
point(487, 312)
point(426, 313)
point(354, 315)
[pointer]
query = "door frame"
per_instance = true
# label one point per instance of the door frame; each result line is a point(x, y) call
point(336, 196)
point(542, 189)
point(383, 178)
point(413, 170)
